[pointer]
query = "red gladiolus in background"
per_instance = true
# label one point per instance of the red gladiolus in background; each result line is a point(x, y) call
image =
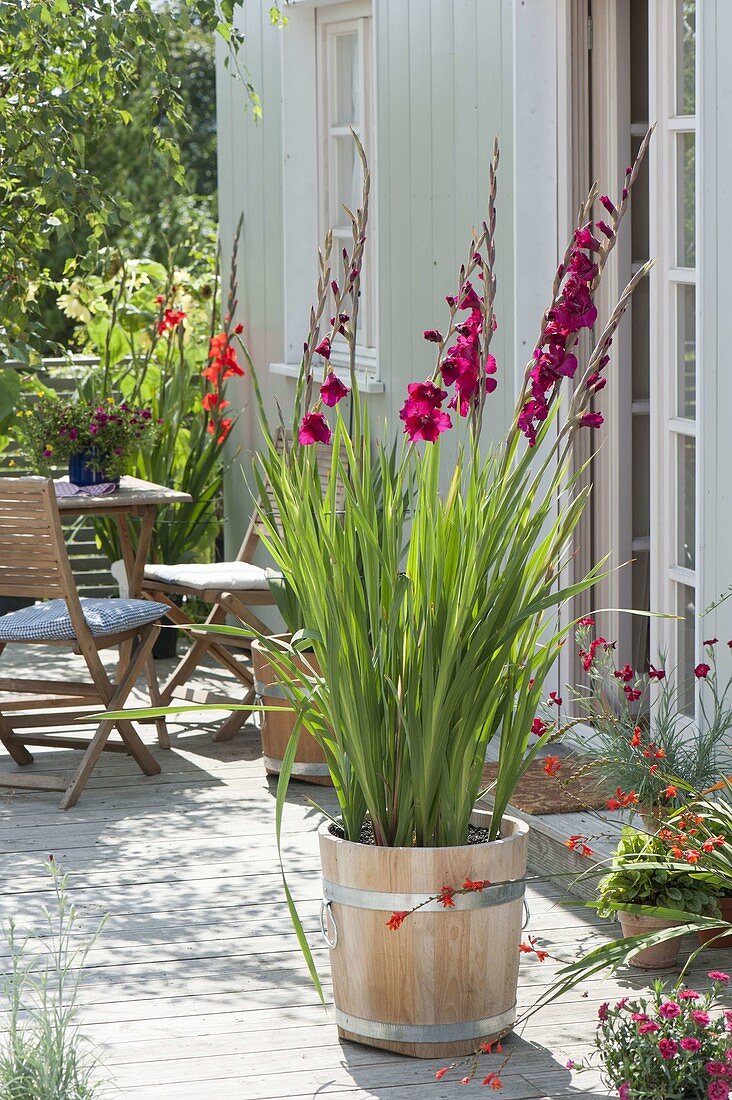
point(332, 390)
point(314, 429)
point(171, 319)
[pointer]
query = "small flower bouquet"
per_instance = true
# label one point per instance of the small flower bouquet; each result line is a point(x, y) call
point(668, 1045)
point(54, 431)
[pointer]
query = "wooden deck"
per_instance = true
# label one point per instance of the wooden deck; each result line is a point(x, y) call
point(196, 989)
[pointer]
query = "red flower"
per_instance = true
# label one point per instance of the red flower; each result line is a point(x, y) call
point(323, 348)
point(670, 791)
point(552, 764)
point(446, 896)
point(224, 427)
point(171, 319)
point(427, 426)
point(591, 420)
point(476, 887)
point(701, 671)
point(577, 843)
point(314, 429)
point(539, 727)
point(555, 699)
point(159, 299)
point(655, 673)
point(238, 329)
point(441, 1073)
point(396, 920)
point(211, 401)
point(711, 641)
point(586, 622)
point(433, 335)
point(423, 398)
point(625, 674)
point(636, 738)
point(332, 391)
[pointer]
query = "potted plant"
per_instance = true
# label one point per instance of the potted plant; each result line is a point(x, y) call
point(670, 1043)
point(277, 725)
point(646, 751)
point(432, 616)
point(428, 597)
point(162, 340)
point(642, 875)
point(98, 441)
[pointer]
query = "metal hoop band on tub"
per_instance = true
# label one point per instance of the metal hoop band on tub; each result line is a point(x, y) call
point(426, 1033)
point(500, 894)
point(298, 768)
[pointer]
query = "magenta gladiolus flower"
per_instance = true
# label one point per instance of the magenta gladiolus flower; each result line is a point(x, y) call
point(582, 266)
point(423, 397)
point(427, 426)
point(585, 239)
point(332, 391)
point(608, 203)
point(605, 228)
point(575, 309)
point(314, 429)
point(433, 335)
point(323, 348)
point(591, 420)
point(667, 1048)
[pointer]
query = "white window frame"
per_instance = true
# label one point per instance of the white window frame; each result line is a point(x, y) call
point(667, 428)
point(304, 185)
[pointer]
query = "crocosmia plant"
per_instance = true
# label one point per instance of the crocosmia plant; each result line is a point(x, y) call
point(429, 595)
point(675, 1043)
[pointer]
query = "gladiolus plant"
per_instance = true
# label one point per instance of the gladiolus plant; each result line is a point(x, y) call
point(431, 611)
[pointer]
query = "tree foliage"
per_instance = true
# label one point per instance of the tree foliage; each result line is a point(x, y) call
point(71, 72)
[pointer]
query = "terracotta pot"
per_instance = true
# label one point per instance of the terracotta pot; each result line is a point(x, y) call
point(725, 905)
point(652, 818)
point(277, 726)
point(444, 981)
point(658, 956)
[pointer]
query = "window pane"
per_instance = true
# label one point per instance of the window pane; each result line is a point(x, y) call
point(686, 511)
point(347, 180)
point(686, 644)
point(639, 213)
point(641, 495)
point(641, 599)
point(686, 219)
point(640, 337)
point(346, 105)
point(686, 350)
point(685, 56)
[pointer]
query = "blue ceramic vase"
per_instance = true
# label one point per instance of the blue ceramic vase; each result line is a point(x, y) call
point(82, 473)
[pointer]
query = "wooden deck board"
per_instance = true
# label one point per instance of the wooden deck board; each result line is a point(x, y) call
point(196, 989)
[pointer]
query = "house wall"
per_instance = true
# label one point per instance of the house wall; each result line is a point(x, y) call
point(448, 74)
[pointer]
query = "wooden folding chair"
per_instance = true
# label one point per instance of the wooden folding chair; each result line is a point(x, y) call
point(34, 562)
point(232, 588)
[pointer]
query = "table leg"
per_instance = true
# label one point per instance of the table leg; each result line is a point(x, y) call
point(135, 562)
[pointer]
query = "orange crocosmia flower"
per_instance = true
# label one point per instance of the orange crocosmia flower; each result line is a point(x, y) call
point(691, 855)
point(496, 1083)
point(676, 853)
point(636, 738)
point(441, 1073)
point(613, 804)
point(660, 754)
point(446, 897)
point(670, 791)
point(524, 949)
point(552, 764)
point(396, 920)
point(476, 887)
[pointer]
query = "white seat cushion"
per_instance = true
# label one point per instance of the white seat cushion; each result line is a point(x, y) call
point(51, 622)
point(222, 576)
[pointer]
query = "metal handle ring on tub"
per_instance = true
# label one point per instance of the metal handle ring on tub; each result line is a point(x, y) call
point(527, 916)
point(326, 913)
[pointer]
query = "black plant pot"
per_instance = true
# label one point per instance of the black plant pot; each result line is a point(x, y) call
point(166, 643)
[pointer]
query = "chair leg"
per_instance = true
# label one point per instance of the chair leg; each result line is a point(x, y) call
point(129, 735)
point(157, 701)
point(231, 725)
point(19, 752)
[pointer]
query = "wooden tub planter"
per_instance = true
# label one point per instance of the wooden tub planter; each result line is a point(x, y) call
point(309, 765)
point(445, 980)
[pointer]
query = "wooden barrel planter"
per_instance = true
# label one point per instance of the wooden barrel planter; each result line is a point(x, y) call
point(277, 726)
point(444, 981)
